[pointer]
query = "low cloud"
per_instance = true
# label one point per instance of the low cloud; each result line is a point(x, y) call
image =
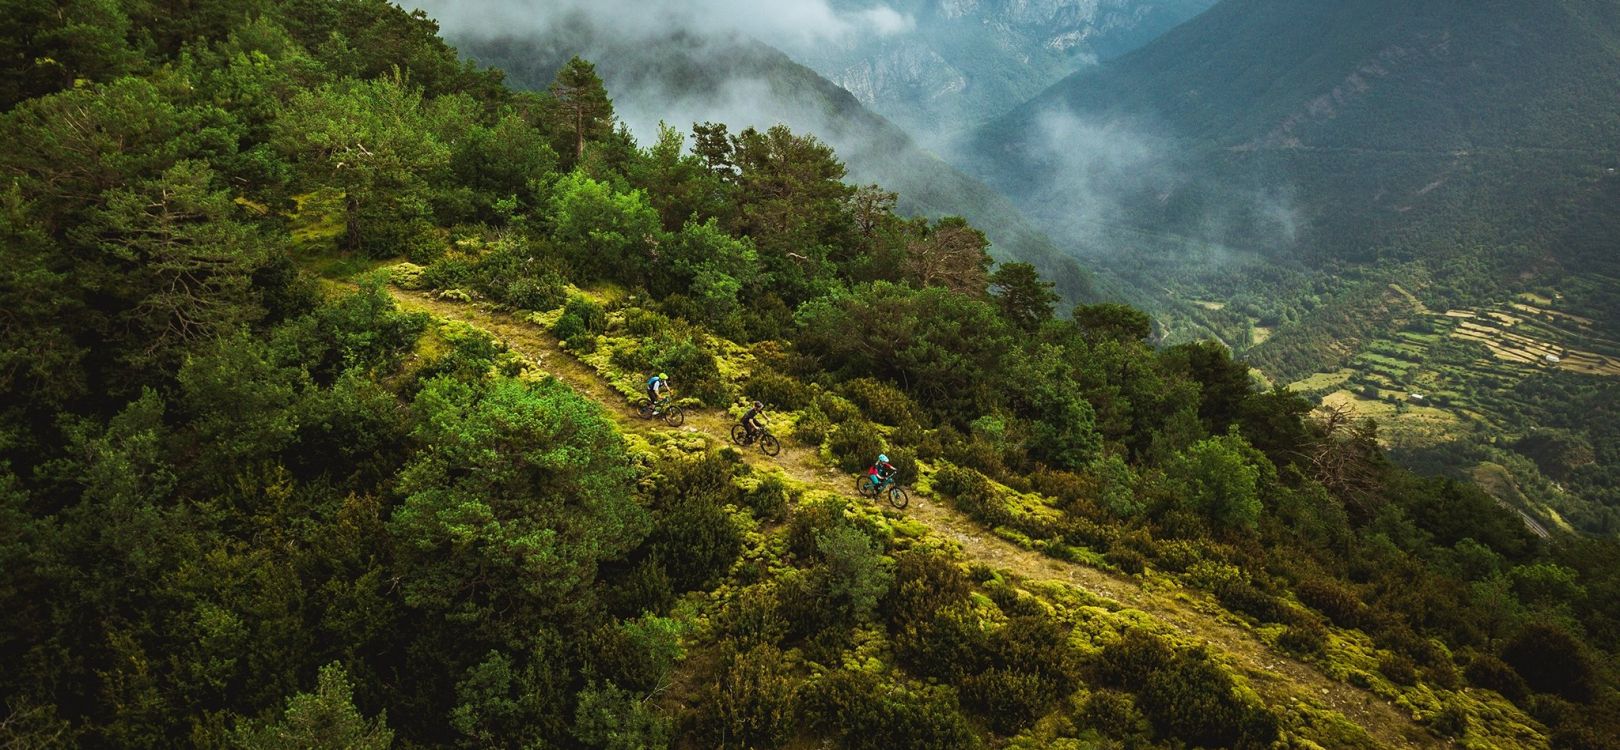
point(789, 24)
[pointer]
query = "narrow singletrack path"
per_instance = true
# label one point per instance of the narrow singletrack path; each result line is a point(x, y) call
point(1280, 679)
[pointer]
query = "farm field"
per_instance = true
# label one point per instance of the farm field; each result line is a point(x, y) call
point(1454, 381)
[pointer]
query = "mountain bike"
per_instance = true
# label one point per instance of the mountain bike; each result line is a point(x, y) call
point(672, 414)
point(888, 488)
point(768, 444)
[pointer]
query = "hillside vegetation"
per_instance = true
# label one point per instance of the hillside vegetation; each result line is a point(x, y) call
point(686, 73)
point(318, 349)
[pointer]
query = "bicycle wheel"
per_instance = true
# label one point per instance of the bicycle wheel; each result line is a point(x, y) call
point(769, 444)
point(898, 497)
point(739, 434)
point(645, 409)
point(675, 417)
point(863, 486)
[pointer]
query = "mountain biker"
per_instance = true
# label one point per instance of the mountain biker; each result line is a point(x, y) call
point(750, 420)
point(658, 384)
point(881, 471)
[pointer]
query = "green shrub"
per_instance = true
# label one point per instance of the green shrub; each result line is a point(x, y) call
point(1331, 598)
point(783, 392)
point(808, 523)
point(1551, 660)
point(881, 402)
point(1306, 638)
point(448, 272)
point(924, 583)
point(769, 500)
point(636, 654)
point(1127, 560)
point(645, 588)
point(1491, 673)
point(644, 323)
point(859, 711)
point(528, 292)
point(748, 703)
point(692, 535)
point(592, 318)
point(949, 644)
point(1231, 586)
point(1398, 667)
point(837, 408)
point(971, 493)
point(855, 444)
point(568, 326)
point(854, 575)
point(1008, 700)
point(1450, 721)
point(1193, 700)
point(1113, 714)
point(610, 718)
point(1134, 657)
point(520, 277)
point(812, 427)
point(754, 618)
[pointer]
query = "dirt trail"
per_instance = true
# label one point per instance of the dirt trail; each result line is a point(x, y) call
point(1279, 679)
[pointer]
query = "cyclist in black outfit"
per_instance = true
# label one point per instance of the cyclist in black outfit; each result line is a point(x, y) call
point(750, 420)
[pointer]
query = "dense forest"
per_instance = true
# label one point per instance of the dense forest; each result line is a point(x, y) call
point(252, 495)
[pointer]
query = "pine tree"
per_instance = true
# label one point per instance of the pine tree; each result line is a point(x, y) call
point(583, 103)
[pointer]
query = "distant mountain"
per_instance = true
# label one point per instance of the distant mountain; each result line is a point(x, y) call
point(961, 62)
point(742, 82)
point(1404, 128)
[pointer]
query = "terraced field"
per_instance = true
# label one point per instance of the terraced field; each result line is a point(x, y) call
point(1451, 377)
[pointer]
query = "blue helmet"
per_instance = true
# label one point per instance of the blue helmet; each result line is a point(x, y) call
point(883, 458)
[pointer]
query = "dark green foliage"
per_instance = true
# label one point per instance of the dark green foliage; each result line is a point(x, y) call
point(776, 389)
point(855, 445)
point(694, 539)
point(1024, 297)
point(769, 500)
point(1551, 660)
point(1184, 694)
point(1333, 599)
point(581, 321)
point(1112, 322)
point(326, 719)
point(749, 701)
point(1398, 668)
point(614, 719)
point(880, 401)
point(637, 655)
point(1491, 673)
point(861, 711)
point(214, 480)
point(1113, 714)
point(514, 274)
point(1450, 721)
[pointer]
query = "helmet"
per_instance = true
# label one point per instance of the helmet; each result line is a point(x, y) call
point(758, 405)
point(662, 376)
point(883, 458)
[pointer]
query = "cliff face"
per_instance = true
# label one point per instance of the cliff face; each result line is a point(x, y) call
point(961, 62)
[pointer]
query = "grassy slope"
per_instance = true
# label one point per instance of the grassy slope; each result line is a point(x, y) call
point(1338, 700)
